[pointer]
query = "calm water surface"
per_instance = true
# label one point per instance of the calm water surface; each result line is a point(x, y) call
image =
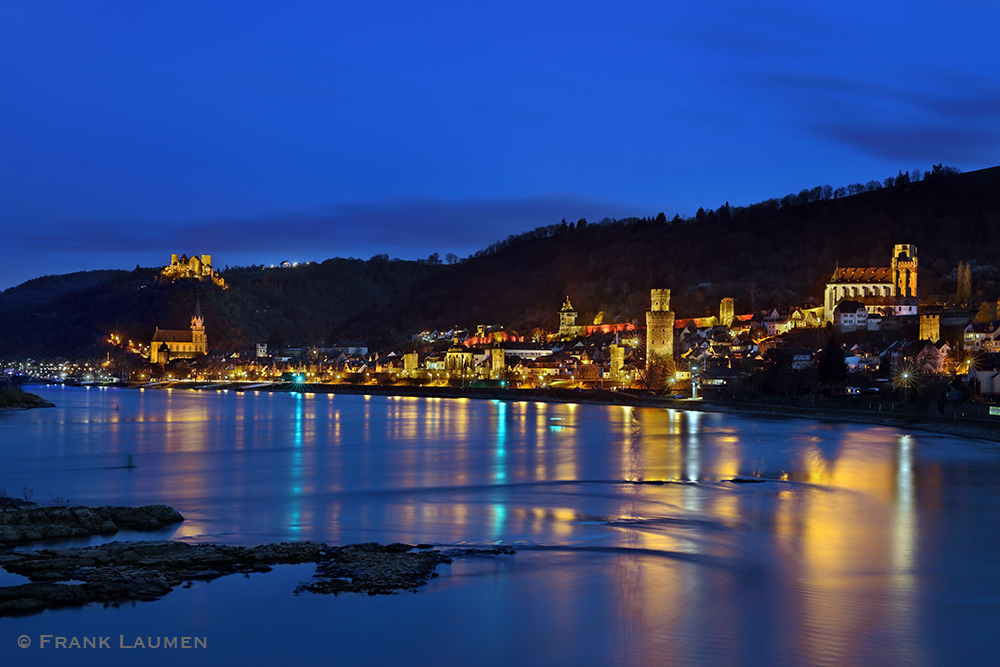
point(866, 546)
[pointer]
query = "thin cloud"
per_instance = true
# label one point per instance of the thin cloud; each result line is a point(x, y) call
point(340, 230)
point(916, 142)
point(897, 121)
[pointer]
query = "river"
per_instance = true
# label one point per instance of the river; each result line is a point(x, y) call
point(864, 546)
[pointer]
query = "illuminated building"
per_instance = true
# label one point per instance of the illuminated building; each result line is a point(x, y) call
point(411, 364)
point(497, 363)
point(616, 370)
point(170, 344)
point(567, 322)
point(458, 360)
point(930, 327)
point(727, 312)
point(891, 289)
point(659, 327)
point(195, 267)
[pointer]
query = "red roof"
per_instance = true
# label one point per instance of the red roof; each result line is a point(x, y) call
point(882, 274)
point(173, 336)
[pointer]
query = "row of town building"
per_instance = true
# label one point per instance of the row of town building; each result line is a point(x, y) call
point(621, 354)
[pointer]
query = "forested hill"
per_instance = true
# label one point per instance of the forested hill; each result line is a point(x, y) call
point(776, 253)
point(71, 316)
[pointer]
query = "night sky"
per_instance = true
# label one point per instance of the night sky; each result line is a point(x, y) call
point(261, 132)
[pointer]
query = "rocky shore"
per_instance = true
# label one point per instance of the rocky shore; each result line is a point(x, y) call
point(58, 523)
point(125, 571)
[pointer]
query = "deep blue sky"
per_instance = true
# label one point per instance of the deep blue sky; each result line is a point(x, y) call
point(258, 132)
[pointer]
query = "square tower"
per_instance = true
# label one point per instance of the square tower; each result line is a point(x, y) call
point(660, 300)
point(904, 269)
point(659, 327)
point(930, 328)
point(727, 312)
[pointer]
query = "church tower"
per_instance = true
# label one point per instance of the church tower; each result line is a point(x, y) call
point(904, 270)
point(198, 330)
point(659, 327)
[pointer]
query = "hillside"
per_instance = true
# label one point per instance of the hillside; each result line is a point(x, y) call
point(280, 306)
point(775, 253)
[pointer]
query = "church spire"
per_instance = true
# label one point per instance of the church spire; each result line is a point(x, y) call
point(197, 321)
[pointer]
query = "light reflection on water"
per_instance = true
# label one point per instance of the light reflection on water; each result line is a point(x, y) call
point(878, 549)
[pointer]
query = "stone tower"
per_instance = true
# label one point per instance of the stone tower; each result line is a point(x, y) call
point(567, 322)
point(615, 373)
point(930, 328)
point(198, 330)
point(411, 364)
point(497, 363)
point(904, 270)
point(727, 312)
point(659, 327)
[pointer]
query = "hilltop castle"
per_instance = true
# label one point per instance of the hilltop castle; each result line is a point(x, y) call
point(171, 344)
point(890, 288)
point(197, 267)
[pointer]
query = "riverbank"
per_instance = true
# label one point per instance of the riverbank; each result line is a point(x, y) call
point(15, 399)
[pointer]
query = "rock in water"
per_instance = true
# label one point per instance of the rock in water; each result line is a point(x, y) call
point(49, 523)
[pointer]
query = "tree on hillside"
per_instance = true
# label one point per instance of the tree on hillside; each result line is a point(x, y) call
point(987, 311)
point(832, 368)
point(964, 291)
point(929, 359)
point(657, 374)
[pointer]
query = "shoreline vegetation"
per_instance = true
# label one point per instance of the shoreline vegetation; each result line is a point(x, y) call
point(12, 398)
point(119, 572)
point(969, 420)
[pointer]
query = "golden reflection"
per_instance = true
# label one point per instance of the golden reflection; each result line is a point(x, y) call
point(648, 601)
point(190, 528)
point(660, 453)
point(562, 521)
point(859, 519)
point(727, 457)
point(631, 460)
point(367, 419)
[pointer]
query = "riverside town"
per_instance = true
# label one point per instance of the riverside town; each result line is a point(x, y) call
point(500, 334)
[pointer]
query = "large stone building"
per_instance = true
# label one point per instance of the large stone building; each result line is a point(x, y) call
point(890, 290)
point(197, 267)
point(659, 327)
point(169, 344)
